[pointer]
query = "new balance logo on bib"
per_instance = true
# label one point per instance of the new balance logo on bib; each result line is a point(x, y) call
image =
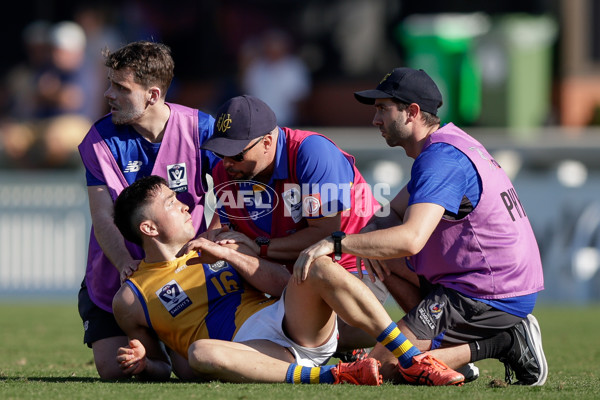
point(133, 166)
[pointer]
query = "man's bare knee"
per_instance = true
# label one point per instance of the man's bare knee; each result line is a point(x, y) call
point(105, 357)
point(322, 269)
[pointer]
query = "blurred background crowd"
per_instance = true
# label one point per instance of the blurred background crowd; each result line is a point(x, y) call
point(499, 64)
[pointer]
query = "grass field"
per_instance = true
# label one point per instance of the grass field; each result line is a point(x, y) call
point(42, 357)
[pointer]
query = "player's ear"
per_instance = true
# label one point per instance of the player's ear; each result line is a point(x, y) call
point(148, 228)
point(154, 94)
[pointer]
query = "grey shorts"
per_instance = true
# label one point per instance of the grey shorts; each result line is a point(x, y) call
point(446, 317)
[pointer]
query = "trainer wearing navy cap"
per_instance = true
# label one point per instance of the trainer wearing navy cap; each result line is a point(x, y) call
point(281, 190)
point(300, 166)
point(459, 232)
point(240, 120)
point(407, 85)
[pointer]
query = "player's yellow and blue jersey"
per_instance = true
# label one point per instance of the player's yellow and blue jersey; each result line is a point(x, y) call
point(184, 303)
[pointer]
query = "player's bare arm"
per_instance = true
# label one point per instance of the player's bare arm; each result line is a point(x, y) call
point(266, 276)
point(399, 241)
point(145, 357)
point(393, 217)
point(289, 247)
point(108, 236)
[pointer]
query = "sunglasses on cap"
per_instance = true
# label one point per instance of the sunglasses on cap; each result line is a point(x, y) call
point(240, 156)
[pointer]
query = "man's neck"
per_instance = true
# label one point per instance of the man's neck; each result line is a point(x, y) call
point(417, 146)
point(152, 127)
point(266, 174)
point(161, 252)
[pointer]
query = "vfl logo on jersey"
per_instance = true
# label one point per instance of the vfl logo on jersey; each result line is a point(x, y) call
point(436, 310)
point(173, 298)
point(177, 177)
point(133, 166)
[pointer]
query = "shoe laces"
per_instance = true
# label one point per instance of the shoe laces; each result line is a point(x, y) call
point(509, 374)
point(433, 362)
point(343, 377)
point(344, 373)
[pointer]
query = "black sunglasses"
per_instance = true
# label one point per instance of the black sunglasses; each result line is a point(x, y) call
point(240, 156)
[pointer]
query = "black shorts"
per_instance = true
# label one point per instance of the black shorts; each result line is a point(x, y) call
point(446, 317)
point(97, 323)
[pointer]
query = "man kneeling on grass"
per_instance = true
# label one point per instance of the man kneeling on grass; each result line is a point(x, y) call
point(196, 297)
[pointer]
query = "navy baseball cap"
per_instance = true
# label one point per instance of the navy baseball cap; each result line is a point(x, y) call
point(407, 85)
point(240, 120)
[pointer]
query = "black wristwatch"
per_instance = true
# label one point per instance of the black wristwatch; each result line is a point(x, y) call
point(263, 243)
point(337, 244)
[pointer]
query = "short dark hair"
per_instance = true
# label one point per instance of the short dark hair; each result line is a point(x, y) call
point(428, 118)
point(151, 63)
point(128, 210)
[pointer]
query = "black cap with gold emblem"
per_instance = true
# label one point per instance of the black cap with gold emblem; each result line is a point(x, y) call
point(240, 120)
point(407, 85)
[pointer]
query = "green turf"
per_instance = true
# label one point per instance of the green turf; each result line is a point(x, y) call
point(42, 357)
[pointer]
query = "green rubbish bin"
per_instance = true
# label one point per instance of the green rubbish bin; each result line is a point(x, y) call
point(516, 62)
point(443, 45)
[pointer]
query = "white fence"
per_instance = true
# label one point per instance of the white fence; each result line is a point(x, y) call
point(44, 230)
point(45, 225)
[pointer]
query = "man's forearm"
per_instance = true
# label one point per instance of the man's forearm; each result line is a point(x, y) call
point(266, 276)
point(109, 238)
point(113, 244)
point(382, 244)
point(289, 247)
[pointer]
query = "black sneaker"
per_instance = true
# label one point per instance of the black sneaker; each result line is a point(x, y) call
point(351, 356)
point(526, 356)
